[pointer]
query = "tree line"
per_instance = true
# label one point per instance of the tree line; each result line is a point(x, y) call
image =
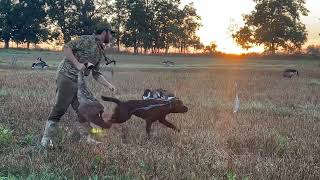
point(144, 25)
point(149, 26)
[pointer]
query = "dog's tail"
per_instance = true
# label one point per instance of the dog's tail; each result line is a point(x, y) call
point(111, 99)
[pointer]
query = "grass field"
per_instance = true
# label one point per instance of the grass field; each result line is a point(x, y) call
point(275, 134)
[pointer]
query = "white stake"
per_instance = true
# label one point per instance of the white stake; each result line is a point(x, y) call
point(236, 101)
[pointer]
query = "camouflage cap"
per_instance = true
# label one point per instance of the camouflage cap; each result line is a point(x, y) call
point(104, 26)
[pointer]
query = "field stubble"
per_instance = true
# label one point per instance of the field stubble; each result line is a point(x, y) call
point(275, 134)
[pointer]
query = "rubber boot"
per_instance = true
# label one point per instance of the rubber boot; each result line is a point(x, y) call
point(49, 134)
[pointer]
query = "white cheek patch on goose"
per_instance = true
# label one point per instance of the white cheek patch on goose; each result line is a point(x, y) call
point(146, 97)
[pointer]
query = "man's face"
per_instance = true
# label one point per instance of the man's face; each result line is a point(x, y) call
point(107, 37)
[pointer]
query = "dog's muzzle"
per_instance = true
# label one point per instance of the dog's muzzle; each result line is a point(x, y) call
point(185, 109)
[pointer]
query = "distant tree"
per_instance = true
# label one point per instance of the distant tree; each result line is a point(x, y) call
point(189, 26)
point(313, 50)
point(6, 21)
point(63, 13)
point(18, 34)
point(87, 16)
point(119, 16)
point(211, 49)
point(31, 22)
point(166, 23)
point(146, 32)
point(196, 43)
point(244, 37)
point(274, 24)
point(135, 26)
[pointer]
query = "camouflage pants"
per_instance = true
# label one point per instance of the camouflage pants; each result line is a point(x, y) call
point(66, 95)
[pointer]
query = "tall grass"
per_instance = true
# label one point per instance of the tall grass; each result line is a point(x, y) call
point(274, 135)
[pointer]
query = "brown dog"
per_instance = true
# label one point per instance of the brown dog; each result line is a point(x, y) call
point(149, 110)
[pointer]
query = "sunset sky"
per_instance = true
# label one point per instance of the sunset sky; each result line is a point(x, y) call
point(217, 15)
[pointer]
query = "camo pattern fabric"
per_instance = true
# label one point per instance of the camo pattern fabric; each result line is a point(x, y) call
point(86, 49)
point(83, 90)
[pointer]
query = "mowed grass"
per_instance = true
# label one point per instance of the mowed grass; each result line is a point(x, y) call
point(25, 59)
point(275, 134)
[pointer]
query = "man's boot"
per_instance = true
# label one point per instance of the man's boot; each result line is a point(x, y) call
point(49, 133)
point(83, 129)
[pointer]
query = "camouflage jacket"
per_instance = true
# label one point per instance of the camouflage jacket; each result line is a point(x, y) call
point(86, 49)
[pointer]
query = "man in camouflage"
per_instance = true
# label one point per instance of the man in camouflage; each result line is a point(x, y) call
point(86, 49)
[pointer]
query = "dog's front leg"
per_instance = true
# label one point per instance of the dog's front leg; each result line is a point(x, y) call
point(169, 125)
point(148, 128)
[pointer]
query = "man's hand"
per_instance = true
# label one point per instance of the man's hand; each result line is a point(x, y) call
point(69, 54)
point(100, 78)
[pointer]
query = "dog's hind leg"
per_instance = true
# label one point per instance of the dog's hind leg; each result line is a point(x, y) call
point(169, 125)
point(124, 131)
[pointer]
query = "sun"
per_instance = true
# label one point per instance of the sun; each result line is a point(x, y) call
point(226, 44)
point(216, 17)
